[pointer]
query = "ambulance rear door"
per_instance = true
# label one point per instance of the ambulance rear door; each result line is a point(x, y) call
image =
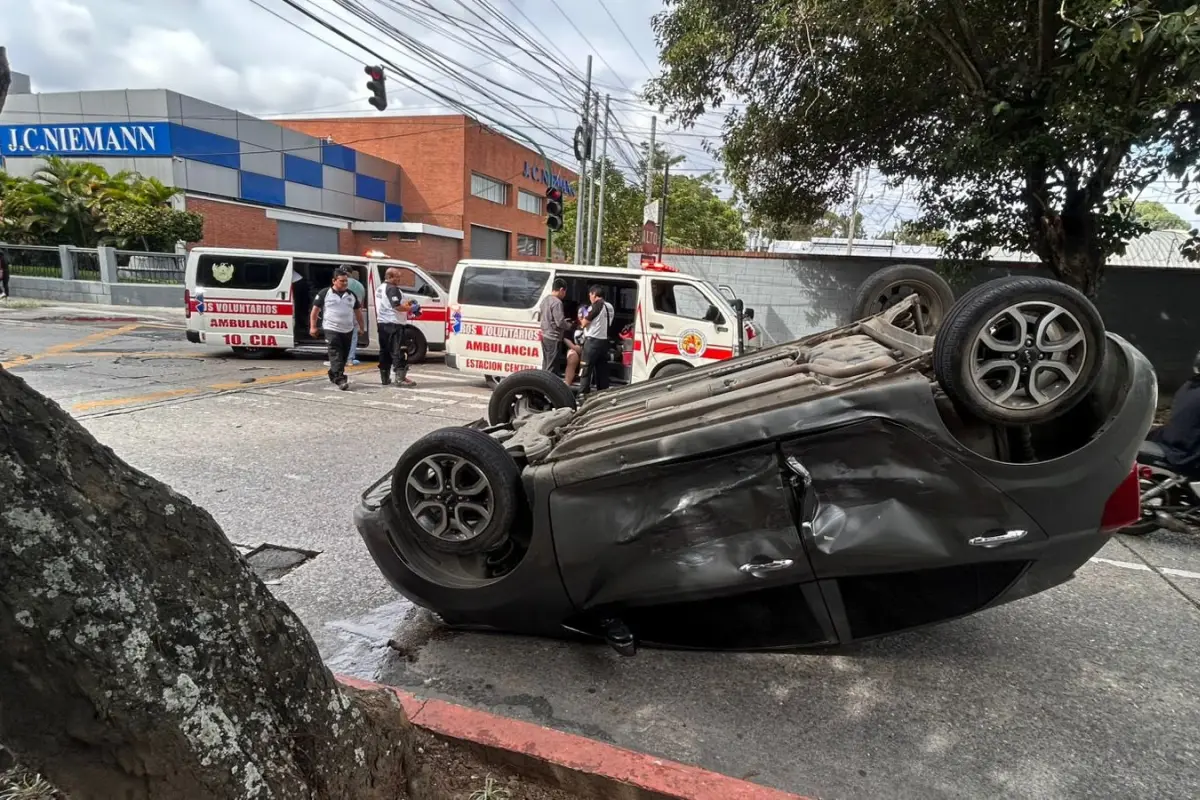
point(243, 299)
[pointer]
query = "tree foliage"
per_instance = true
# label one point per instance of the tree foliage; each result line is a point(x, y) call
point(1022, 122)
point(622, 220)
point(80, 203)
point(829, 224)
point(1156, 216)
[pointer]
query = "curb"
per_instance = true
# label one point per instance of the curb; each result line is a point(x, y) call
point(576, 763)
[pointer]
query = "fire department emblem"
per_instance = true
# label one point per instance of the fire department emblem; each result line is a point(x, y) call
point(222, 273)
point(692, 343)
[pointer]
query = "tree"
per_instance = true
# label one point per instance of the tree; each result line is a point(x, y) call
point(142, 657)
point(830, 224)
point(152, 228)
point(1020, 125)
point(909, 232)
point(1157, 217)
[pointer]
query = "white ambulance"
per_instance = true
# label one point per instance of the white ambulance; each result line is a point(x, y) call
point(258, 301)
point(665, 322)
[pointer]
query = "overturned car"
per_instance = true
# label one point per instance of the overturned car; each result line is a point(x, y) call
point(854, 483)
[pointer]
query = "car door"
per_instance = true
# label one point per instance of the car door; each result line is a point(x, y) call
point(698, 554)
point(684, 325)
point(244, 299)
point(899, 532)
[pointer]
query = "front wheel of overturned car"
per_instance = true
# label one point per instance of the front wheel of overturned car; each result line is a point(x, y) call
point(890, 285)
point(1020, 351)
point(528, 391)
point(457, 491)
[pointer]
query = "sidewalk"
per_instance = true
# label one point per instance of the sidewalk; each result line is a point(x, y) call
point(53, 310)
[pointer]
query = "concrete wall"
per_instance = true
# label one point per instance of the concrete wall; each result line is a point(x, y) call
point(95, 292)
point(1154, 308)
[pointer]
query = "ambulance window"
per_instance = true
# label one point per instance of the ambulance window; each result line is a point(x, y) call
point(501, 288)
point(683, 300)
point(240, 272)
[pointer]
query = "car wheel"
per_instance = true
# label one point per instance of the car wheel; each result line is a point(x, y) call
point(672, 369)
point(416, 345)
point(890, 285)
point(528, 391)
point(255, 353)
point(456, 490)
point(1020, 351)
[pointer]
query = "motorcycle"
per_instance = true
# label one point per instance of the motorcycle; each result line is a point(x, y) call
point(1169, 500)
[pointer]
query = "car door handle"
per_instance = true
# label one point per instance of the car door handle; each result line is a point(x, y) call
point(656, 325)
point(755, 567)
point(721, 329)
point(995, 541)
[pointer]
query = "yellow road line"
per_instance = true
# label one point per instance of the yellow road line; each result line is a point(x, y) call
point(170, 394)
point(67, 347)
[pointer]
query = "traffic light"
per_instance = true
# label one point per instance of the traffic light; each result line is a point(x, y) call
point(377, 86)
point(554, 209)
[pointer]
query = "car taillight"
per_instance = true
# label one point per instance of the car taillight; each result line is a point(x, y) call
point(1124, 506)
point(187, 304)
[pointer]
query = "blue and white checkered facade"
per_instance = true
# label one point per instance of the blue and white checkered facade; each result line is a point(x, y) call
point(201, 148)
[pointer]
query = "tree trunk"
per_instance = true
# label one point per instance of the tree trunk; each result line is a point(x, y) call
point(1069, 247)
point(141, 657)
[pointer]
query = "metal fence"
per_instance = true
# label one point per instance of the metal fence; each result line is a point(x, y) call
point(86, 263)
point(135, 266)
point(34, 261)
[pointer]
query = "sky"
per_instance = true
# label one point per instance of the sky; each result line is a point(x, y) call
point(264, 57)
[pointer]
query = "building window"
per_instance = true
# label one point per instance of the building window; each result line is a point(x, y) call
point(379, 236)
point(407, 237)
point(528, 201)
point(489, 189)
point(529, 245)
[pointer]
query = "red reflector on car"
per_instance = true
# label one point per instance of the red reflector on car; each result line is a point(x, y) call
point(187, 304)
point(1145, 473)
point(1124, 507)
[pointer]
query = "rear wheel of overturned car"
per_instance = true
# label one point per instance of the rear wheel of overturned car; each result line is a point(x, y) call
point(890, 285)
point(415, 345)
point(456, 490)
point(528, 391)
point(1020, 351)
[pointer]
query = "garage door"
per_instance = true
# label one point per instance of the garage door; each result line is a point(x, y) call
point(488, 243)
point(307, 238)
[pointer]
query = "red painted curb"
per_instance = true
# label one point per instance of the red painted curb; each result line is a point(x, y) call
point(577, 753)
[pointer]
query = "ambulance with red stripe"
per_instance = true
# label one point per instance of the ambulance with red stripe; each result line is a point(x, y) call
point(665, 322)
point(258, 302)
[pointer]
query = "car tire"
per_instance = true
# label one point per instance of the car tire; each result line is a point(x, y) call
point(532, 389)
point(888, 286)
point(255, 353)
point(457, 491)
point(670, 370)
point(1020, 351)
point(416, 345)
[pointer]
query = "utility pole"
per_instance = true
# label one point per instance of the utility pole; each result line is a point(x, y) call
point(650, 161)
point(662, 208)
point(603, 184)
point(581, 152)
point(851, 224)
point(587, 249)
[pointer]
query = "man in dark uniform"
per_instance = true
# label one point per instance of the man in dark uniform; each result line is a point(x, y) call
point(339, 311)
point(1179, 439)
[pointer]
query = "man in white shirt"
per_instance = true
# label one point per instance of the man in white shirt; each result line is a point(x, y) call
point(595, 342)
point(392, 308)
point(341, 314)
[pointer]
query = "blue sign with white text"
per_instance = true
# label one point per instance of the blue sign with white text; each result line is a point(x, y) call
point(86, 139)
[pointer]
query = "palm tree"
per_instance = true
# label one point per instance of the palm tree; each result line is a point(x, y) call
point(79, 191)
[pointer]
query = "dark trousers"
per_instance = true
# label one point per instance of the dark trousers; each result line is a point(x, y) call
point(595, 365)
point(393, 351)
point(4, 280)
point(552, 352)
point(339, 353)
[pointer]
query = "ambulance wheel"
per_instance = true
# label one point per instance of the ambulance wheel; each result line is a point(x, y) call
point(256, 353)
point(670, 370)
point(528, 392)
point(456, 490)
point(416, 346)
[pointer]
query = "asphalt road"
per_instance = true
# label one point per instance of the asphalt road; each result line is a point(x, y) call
point(1091, 689)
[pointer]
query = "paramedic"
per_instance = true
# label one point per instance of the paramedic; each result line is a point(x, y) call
point(392, 309)
point(595, 342)
point(554, 324)
point(342, 314)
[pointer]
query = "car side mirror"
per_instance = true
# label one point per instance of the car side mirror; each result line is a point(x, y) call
point(749, 313)
point(738, 305)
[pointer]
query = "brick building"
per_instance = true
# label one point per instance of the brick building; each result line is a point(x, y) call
point(468, 190)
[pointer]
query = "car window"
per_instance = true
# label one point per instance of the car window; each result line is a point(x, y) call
point(240, 272)
point(683, 300)
point(501, 288)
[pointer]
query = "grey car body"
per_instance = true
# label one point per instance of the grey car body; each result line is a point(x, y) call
point(815, 493)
